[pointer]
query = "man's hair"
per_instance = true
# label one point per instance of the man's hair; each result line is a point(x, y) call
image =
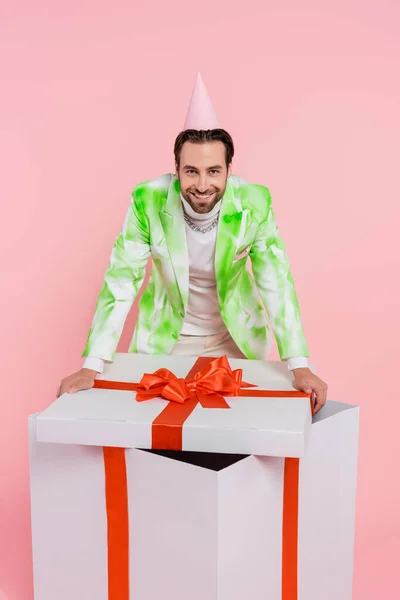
point(200, 137)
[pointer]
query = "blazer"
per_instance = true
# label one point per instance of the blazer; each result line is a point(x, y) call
point(251, 300)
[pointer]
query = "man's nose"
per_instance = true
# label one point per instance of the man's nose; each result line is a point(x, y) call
point(202, 183)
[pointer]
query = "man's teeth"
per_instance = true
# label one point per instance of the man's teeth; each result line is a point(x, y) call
point(202, 197)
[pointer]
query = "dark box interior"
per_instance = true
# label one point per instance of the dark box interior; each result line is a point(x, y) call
point(208, 460)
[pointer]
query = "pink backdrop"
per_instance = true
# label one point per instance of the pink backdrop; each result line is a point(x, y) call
point(92, 96)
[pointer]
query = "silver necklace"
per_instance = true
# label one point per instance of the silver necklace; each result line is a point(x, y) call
point(194, 227)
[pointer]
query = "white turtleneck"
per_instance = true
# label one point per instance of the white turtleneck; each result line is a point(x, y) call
point(202, 316)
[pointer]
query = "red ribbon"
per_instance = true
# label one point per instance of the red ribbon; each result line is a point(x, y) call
point(207, 383)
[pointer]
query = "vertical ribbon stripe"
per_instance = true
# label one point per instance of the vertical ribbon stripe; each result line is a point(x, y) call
point(116, 488)
point(290, 525)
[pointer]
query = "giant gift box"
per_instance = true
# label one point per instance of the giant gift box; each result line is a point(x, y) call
point(196, 495)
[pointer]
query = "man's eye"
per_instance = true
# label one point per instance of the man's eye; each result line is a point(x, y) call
point(214, 171)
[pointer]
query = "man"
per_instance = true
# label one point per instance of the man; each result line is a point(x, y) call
point(200, 227)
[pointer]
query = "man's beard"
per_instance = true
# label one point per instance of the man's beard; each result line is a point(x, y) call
point(203, 207)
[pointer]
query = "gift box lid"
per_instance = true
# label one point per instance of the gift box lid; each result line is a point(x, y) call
point(271, 426)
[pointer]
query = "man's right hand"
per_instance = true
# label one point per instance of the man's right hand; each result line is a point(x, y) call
point(81, 380)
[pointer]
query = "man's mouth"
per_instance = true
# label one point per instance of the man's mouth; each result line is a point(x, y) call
point(202, 197)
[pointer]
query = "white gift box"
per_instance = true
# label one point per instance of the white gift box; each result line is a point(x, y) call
point(260, 503)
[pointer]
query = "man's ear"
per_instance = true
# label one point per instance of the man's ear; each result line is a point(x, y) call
point(176, 170)
point(229, 170)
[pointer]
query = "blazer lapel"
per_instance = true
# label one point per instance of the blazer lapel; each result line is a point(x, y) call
point(231, 227)
point(173, 225)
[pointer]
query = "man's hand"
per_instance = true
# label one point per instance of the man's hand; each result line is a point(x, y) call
point(307, 382)
point(81, 380)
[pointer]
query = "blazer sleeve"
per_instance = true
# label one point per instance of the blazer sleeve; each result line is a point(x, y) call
point(275, 285)
point(122, 281)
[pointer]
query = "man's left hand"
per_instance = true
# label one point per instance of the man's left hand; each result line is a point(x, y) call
point(305, 381)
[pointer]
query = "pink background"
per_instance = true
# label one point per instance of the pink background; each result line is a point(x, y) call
point(93, 94)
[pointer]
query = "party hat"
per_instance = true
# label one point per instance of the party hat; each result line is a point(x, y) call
point(201, 113)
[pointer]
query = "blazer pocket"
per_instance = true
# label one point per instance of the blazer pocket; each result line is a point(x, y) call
point(242, 254)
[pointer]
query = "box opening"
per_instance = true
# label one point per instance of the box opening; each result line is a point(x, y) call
point(206, 460)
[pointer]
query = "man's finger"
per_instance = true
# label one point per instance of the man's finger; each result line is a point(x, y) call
point(302, 388)
point(324, 392)
point(78, 387)
point(320, 395)
point(321, 398)
point(317, 408)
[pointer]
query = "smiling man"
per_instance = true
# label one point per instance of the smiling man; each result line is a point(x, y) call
point(201, 226)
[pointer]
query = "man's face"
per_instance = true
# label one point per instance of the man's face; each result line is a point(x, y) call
point(202, 174)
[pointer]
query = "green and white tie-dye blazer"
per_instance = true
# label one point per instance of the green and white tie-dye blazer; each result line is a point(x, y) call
point(154, 227)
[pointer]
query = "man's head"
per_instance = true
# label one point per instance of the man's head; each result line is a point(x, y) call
point(203, 162)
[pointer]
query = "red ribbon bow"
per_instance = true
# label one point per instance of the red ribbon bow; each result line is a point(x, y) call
point(209, 385)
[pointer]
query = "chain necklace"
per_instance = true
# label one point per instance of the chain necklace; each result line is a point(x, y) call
point(194, 227)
